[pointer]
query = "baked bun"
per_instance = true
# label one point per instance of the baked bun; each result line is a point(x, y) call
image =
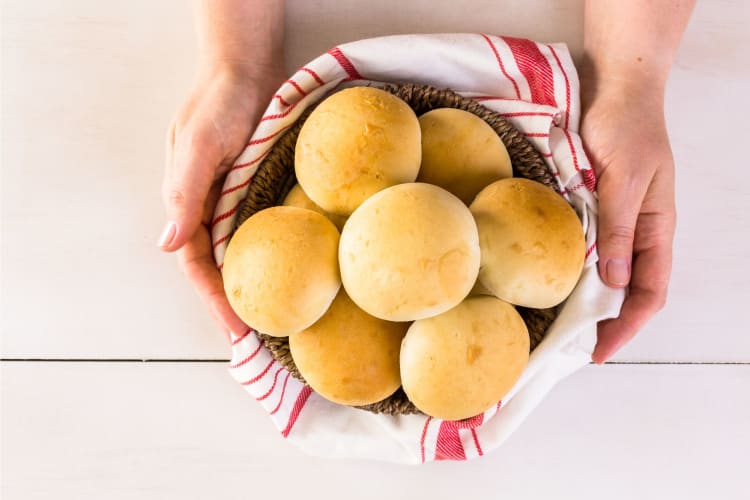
point(409, 252)
point(479, 289)
point(348, 356)
point(532, 243)
point(355, 143)
point(461, 153)
point(297, 198)
point(281, 271)
point(462, 362)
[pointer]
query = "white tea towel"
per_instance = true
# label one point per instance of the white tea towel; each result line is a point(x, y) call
point(535, 86)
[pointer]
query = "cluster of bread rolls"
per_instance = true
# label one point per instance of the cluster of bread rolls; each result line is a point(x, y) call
point(398, 258)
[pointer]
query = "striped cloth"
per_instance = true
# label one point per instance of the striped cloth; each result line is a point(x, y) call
point(535, 86)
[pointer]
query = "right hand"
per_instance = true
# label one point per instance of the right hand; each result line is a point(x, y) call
point(208, 133)
point(635, 171)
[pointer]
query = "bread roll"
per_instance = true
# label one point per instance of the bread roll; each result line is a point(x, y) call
point(281, 271)
point(462, 362)
point(461, 153)
point(355, 143)
point(479, 289)
point(297, 198)
point(409, 252)
point(532, 243)
point(348, 356)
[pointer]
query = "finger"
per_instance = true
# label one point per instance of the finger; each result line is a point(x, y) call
point(197, 263)
point(168, 231)
point(620, 199)
point(648, 291)
point(211, 200)
point(195, 157)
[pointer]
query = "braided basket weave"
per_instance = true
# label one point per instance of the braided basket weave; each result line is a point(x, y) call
point(275, 177)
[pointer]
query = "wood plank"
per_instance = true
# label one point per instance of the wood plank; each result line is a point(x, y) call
point(89, 87)
point(183, 430)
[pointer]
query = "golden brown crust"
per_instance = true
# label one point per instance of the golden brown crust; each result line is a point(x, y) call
point(460, 363)
point(355, 143)
point(296, 197)
point(409, 252)
point(532, 243)
point(281, 269)
point(348, 356)
point(461, 153)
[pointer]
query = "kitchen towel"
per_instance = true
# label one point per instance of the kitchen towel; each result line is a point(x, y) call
point(535, 86)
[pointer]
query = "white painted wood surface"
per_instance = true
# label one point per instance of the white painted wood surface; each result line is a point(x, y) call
point(87, 91)
point(179, 430)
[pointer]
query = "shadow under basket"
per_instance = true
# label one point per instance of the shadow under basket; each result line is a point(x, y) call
point(275, 177)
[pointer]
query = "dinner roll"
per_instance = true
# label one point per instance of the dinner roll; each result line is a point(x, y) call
point(532, 243)
point(462, 362)
point(479, 289)
point(348, 356)
point(280, 269)
point(461, 152)
point(409, 252)
point(297, 198)
point(355, 143)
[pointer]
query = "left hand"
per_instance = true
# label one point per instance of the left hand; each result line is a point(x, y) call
point(625, 136)
point(207, 135)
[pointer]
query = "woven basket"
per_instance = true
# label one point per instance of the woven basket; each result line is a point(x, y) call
point(275, 177)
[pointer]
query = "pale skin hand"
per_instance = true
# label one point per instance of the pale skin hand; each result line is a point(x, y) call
point(241, 67)
point(629, 49)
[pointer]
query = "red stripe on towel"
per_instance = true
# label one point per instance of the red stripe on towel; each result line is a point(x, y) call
point(567, 85)
point(502, 66)
point(535, 68)
point(247, 359)
point(260, 375)
point(273, 386)
point(297, 409)
point(281, 398)
point(314, 75)
point(345, 63)
point(424, 436)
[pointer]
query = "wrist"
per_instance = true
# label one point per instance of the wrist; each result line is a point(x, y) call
point(264, 77)
point(242, 68)
point(241, 37)
point(621, 82)
point(630, 46)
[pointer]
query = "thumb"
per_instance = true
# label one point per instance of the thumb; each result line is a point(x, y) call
point(191, 169)
point(620, 200)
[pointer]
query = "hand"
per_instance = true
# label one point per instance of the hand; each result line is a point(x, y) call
point(624, 133)
point(207, 135)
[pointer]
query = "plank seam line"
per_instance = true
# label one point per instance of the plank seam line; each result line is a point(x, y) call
point(219, 360)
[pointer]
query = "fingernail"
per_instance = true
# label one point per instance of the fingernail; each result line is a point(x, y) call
point(618, 272)
point(167, 234)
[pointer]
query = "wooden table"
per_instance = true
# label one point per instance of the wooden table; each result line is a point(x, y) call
point(114, 381)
